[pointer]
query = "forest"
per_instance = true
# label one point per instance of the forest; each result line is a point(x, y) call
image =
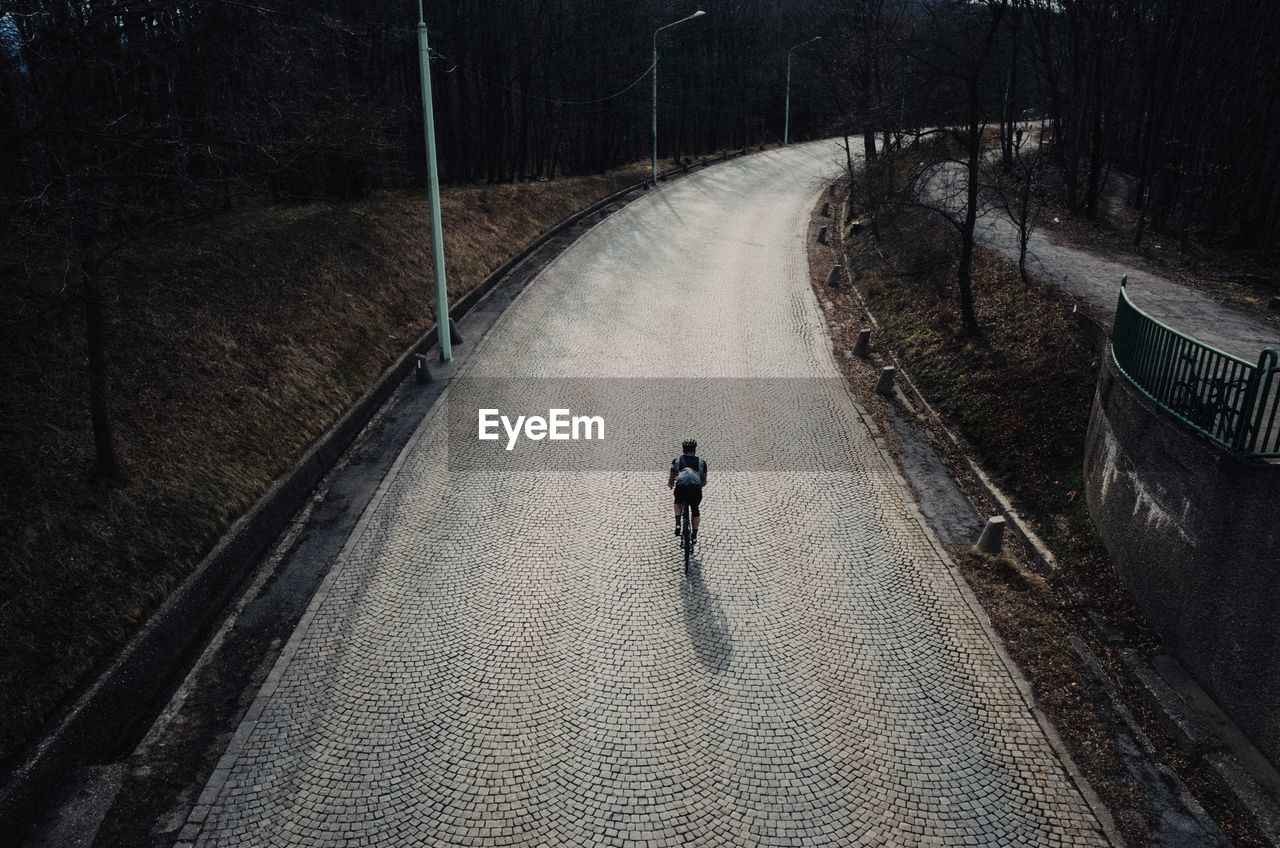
point(117, 112)
point(174, 128)
point(121, 118)
point(184, 105)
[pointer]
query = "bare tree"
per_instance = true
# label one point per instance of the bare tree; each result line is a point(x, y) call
point(954, 40)
point(1017, 188)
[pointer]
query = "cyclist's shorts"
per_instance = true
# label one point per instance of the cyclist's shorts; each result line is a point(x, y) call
point(691, 495)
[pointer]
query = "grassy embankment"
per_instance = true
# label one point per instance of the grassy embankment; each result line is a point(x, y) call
point(234, 344)
point(1019, 395)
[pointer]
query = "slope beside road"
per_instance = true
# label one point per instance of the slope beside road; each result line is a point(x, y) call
point(510, 653)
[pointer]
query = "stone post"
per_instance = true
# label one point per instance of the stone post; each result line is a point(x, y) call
point(992, 539)
point(862, 346)
point(884, 386)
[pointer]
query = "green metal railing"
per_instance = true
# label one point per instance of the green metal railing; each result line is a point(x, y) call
point(1236, 404)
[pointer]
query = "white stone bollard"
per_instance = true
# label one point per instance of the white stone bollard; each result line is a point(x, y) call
point(992, 539)
point(884, 386)
point(862, 346)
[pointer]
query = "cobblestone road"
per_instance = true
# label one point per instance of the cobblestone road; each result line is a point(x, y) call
point(517, 658)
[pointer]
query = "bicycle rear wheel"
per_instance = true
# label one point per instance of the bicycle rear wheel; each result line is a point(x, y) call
point(687, 538)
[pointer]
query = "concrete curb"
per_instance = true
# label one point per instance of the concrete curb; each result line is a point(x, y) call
point(108, 714)
point(1198, 726)
point(1044, 558)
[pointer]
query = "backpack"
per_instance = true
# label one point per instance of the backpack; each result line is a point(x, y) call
point(691, 469)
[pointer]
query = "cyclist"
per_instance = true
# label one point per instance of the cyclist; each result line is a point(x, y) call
point(688, 476)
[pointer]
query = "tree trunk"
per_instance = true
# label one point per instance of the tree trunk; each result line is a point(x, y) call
point(1011, 95)
point(1024, 225)
point(1095, 162)
point(106, 465)
point(969, 321)
point(848, 161)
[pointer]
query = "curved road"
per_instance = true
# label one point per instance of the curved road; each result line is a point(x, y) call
point(510, 653)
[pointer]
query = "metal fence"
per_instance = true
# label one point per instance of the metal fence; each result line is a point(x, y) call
point(1236, 404)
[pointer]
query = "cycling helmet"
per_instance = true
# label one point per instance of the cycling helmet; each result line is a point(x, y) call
point(689, 445)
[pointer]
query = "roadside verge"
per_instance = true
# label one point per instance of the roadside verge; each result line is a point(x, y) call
point(1036, 363)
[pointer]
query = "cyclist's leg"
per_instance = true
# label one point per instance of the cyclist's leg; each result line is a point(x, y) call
point(695, 502)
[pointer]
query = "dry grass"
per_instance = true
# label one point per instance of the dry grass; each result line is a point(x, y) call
point(233, 345)
point(1012, 395)
point(1020, 396)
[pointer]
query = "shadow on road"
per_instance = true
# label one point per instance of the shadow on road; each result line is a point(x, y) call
point(705, 620)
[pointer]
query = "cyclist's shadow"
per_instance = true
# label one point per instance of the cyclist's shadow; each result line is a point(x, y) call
point(705, 620)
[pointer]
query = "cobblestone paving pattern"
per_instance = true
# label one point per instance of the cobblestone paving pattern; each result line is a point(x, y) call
point(517, 658)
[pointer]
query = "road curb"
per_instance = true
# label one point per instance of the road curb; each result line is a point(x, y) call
point(1045, 561)
point(107, 715)
point(1198, 726)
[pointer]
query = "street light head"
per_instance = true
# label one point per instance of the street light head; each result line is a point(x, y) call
point(685, 19)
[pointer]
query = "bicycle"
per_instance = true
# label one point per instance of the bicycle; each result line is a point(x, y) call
point(686, 534)
point(688, 476)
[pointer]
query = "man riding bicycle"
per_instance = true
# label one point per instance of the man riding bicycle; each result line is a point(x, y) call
point(688, 476)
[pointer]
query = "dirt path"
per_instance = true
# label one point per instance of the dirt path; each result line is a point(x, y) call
point(1094, 280)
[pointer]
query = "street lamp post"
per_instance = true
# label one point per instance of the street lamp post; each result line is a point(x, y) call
point(696, 14)
point(433, 193)
point(786, 123)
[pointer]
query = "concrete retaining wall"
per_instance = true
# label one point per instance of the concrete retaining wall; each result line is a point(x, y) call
point(1195, 533)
